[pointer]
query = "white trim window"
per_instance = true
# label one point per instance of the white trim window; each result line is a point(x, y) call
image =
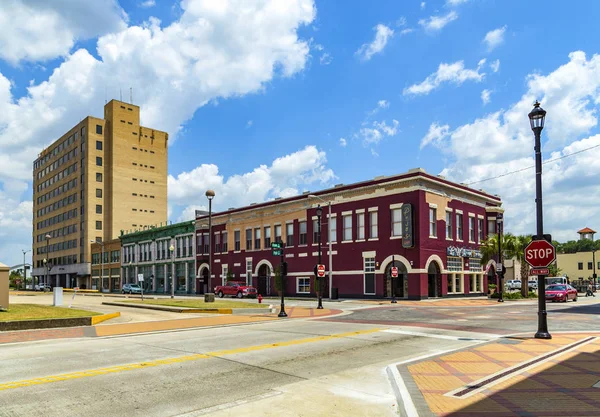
point(347, 222)
point(432, 222)
point(491, 227)
point(373, 225)
point(480, 230)
point(396, 222)
point(472, 229)
point(302, 285)
point(333, 236)
point(369, 276)
point(289, 234)
point(278, 233)
point(459, 226)
point(248, 271)
point(302, 227)
point(360, 226)
point(224, 270)
point(449, 225)
point(455, 263)
point(267, 237)
point(257, 238)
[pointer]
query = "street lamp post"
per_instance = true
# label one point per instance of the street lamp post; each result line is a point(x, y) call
point(594, 260)
point(329, 244)
point(46, 259)
point(210, 194)
point(500, 271)
point(537, 117)
point(320, 280)
point(172, 250)
point(25, 269)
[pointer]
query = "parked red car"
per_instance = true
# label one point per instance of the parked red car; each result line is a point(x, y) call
point(561, 292)
point(236, 289)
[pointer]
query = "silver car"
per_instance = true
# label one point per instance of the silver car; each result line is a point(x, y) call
point(131, 289)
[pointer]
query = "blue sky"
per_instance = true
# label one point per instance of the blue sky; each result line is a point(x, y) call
point(270, 98)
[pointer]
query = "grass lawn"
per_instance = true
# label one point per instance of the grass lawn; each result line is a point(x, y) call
point(35, 312)
point(200, 303)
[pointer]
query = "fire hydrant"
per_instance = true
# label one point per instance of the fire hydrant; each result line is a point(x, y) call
point(259, 299)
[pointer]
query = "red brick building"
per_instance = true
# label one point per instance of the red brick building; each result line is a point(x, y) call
point(428, 227)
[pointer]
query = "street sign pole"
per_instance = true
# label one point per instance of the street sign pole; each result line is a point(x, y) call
point(394, 273)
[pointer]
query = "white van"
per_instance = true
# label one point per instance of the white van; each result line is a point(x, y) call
point(513, 284)
point(556, 280)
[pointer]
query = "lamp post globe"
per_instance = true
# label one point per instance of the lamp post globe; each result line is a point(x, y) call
point(210, 194)
point(537, 117)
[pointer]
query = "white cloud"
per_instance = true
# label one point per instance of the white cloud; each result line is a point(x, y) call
point(494, 38)
point(406, 31)
point(422, 5)
point(383, 104)
point(435, 134)
point(284, 178)
point(319, 47)
point(495, 65)
point(382, 36)
point(343, 142)
point(455, 2)
point(148, 3)
point(502, 142)
point(485, 96)
point(34, 30)
point(249, 124)
point(374, 153)
point(374, 135)
point(401, 21)
point(208, 53)
point(446, 73)
point(437, 23)
point(325, 59)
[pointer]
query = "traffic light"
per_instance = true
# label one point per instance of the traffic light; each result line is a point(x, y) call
point(284, 269)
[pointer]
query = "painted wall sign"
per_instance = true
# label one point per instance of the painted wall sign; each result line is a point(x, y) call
point(463, 252)
point(408, 238)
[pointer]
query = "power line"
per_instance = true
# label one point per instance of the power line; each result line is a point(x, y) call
point(533, 166)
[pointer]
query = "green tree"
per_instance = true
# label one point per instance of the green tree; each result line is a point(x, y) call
point(518, 251)
point(555, 271)
point(15, 279)
point(229, 275)
point(277, 273)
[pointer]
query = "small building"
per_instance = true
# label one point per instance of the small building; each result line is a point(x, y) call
point(581, 265)
point(106, 266)
point(161, 255)
point(426, 226)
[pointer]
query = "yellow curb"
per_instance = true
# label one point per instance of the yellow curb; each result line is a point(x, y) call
point(104, 317)
point(80, 291)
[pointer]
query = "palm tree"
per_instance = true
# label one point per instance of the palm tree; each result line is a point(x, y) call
point(489, 248)
point(520, 244)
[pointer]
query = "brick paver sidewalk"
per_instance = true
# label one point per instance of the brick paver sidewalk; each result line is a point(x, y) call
point(513, 377)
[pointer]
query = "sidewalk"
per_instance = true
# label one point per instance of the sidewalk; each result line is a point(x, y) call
point(513, 376)
point(117, 329)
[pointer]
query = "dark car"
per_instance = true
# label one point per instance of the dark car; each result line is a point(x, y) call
point(561, 292)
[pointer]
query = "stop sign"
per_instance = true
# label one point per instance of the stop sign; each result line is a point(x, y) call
point(540, 253)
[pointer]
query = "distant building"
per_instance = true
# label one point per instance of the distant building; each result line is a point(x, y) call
point(102, 176)
point(579, 265)
point(426, 226)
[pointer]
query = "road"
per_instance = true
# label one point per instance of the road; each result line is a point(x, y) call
point(334, 366)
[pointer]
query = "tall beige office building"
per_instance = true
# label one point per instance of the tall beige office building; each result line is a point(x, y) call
point(101, 177)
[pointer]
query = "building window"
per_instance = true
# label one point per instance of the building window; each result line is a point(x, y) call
point(98, 208)
point(475, 264)
point(289, 234)
point(333, 228)
point(267, 237)
point(347, 222)
point(98, 225)
point(303, 285)
point(480, 229)
point(396, 222)
point(459, 227)
point(99, 145)
point(432, 222)
point(224, 243)
point(98, 177)
point(205, 242)
point(98, 129)
point(302, 226)
point(369, 283)
point(471, 229)
point(237, 238)
point(315, 231)
point(590, 265)
point(580, 266)
point(455, 263)
point(248, 271)
point(217, 242)
point(448, 225)
point(373, 225)
point(257, 239)
point(99, 161)
point(248, 239)
point(278, 233)
point(360, 226)
point(491, 227)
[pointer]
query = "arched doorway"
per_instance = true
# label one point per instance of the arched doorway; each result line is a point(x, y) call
point(434, 280)
point(202, 281)
point(491, 275)
point(400, 282)
point(264, 280)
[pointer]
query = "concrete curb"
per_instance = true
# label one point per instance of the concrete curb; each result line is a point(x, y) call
point(235, 311)
point(104, 317)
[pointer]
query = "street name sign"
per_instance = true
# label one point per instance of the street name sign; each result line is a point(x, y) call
point(540, 253)
point(276, 248)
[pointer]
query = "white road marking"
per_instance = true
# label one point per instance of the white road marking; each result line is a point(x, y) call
point(438, 336)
